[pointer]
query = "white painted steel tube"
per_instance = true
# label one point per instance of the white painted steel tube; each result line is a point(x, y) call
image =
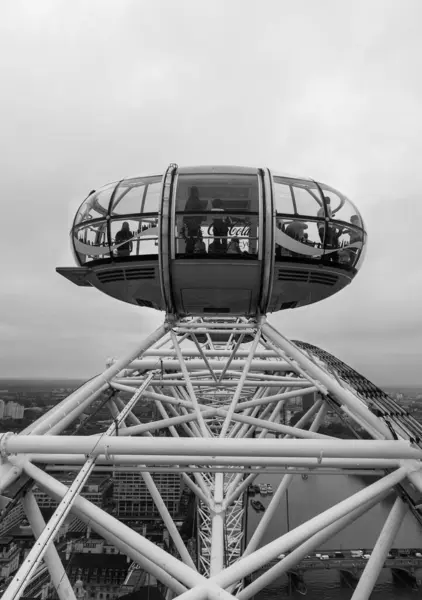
point(51, 557)
point(264, 555)
point(142, 561)
point(8, 474)
point(319, 419)
point(216, 365)
point(219, 447)
point(280, 492)
point(209, 459)
point(55, 422)
point(239, 388)
point(131, 418)
point(168, 521)
point(268, 514)
point(292, 431)
point(276, 397)
point(202, 426)
point(345, 396)
point(415, 478)
point(376, 562)
point(254, 383)
point(309, 414)
point(171, 421)
point(166, 561)
point(209, 325)
point(253, 461)
point(94, 386)
point(192, 352)
point(217, 527)
point(62, 423)
point(310, 545)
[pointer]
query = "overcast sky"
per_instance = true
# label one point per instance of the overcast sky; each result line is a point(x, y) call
point(92, 91)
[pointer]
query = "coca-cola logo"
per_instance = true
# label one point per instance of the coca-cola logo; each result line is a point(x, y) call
point(234, 231)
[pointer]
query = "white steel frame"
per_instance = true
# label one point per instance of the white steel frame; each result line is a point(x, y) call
point(224, 381)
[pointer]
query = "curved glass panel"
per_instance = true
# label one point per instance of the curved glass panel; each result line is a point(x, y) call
point(283, 199)
point(134, 236)
point(343, 245)
point(304, 195)
point(217, 215)
point(341, 208)
point(137, 195)
point(96, 205)
point(317, 241)
point(299, 239)
point(90, 241)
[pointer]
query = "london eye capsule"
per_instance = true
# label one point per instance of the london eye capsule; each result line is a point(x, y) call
point(217, 240)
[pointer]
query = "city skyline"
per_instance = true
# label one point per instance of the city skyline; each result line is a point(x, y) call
point(147, 86)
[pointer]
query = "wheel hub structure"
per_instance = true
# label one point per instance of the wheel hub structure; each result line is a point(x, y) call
point(219, 384)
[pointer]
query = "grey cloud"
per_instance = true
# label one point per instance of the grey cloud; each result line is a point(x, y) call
point(94, 91)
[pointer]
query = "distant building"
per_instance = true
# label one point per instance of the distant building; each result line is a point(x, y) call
point(98, 490)
point(2, 405)
point(9, 556)
point(133, 499)
point(308, 400)
point(101, 575)
point(12, 519)
point(13, 410)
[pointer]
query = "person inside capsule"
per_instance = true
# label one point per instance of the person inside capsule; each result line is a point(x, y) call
point(220, 227)
point(192, 224)
point(122, 239)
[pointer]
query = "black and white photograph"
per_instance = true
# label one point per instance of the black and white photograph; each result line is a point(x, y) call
point(211, 300)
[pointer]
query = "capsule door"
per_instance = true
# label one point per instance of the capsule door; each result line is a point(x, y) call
point(216, 244)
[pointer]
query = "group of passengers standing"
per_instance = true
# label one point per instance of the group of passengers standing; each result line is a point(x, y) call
point(192, 232)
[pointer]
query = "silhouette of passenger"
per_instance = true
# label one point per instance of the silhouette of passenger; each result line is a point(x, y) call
point(296, 230)
point(351, 254)
point(123, 236)
point(193, 223)
point(220, 227)
point(321, 226)
point(355, 236)
point(234, 246)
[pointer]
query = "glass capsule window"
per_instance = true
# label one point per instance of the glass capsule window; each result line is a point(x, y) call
point(313, 241)
point(298, 197)
point(104, 232)
point(299, 239)
point(96, 205)
point(90, 241)
point(283, 199)
point(134, 236)
point(341, 208)
point(137, 195)
point(217, 215)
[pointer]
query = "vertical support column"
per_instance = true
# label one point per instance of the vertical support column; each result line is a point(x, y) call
point(51, 558)
point(239, 388)
point(204, 429)
point(217, 527)
point(376, 562)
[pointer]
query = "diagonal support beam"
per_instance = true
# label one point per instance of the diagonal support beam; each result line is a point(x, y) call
point(379, 554)
point(51, 558)
point(310, 545)
point(345, 396)
point(18, 584)
point(264, 555)
point(204, 429)
point(239, 388)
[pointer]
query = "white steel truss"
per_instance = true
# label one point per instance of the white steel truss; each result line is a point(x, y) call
point(219, 387)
